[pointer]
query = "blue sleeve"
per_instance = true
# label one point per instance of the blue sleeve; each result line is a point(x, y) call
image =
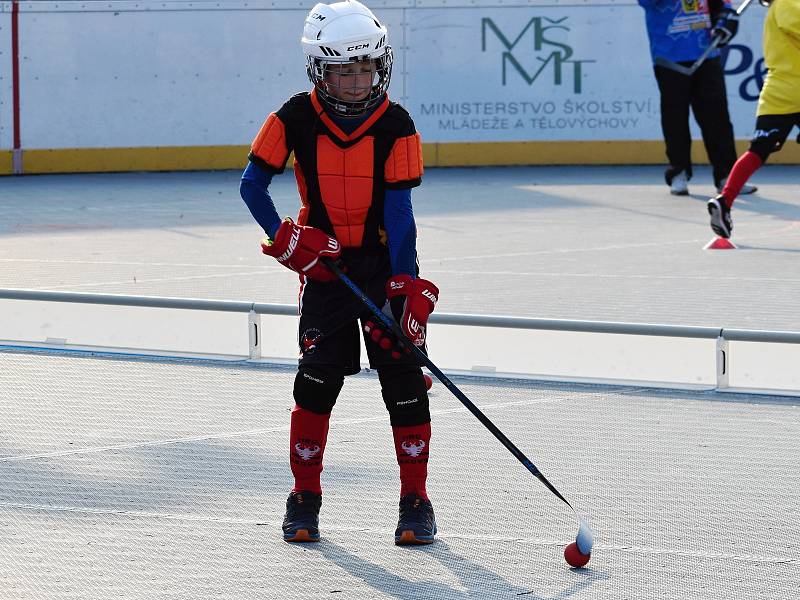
point(401, 231)
point(254, 189)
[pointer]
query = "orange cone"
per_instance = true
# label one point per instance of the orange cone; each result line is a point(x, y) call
point(720, 244)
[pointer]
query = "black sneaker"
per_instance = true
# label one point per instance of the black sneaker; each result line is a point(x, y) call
point(416, 525)
point(721, 221)
point(301, 523)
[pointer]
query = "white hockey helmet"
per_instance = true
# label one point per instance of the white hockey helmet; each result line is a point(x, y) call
point(340, 34)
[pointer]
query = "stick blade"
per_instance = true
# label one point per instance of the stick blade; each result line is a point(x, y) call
point(585, 537)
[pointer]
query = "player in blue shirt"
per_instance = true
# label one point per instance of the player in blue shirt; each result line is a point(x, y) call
point(680, 31)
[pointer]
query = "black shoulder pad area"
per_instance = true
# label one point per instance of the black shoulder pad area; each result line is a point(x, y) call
point(300, 98)
point(397, 122)
point(298, 105)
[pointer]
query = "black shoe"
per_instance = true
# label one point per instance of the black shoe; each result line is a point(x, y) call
point(301, 523)
point(721, 221)
point(416, 525)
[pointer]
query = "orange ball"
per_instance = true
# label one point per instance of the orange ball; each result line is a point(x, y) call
point(574, 557)
point(428, 381)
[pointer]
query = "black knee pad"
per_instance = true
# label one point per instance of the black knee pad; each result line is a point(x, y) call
point(405, 395)
point(765, 143)
point(763, 148)
point(316, 388)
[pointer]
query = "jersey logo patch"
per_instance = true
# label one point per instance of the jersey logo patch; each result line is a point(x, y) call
point(413, 449)
point(306, 452)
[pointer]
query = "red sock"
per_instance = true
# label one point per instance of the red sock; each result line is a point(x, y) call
point(307, 437)
point(748, 163)
point(411, 444)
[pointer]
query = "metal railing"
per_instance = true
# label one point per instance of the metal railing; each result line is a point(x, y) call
point(722, 335)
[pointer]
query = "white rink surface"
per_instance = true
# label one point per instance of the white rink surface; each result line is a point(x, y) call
point(143, 479)
point(147, 479)
point(593, 243)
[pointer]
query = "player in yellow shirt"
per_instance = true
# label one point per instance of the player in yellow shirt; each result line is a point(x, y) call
point(778, 106)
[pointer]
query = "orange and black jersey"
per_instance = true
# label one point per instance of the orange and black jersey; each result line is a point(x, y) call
point(342, 178)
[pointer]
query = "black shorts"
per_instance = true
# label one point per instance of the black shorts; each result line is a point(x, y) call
point(771, 133)
point(330, 315)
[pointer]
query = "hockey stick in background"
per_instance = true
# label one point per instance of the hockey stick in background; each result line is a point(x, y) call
point(585, 538)
point(679, 68)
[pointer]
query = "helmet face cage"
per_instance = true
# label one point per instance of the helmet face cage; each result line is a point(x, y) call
point(330, 82)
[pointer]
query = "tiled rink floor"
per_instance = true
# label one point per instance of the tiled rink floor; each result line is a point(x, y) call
point(134, 478)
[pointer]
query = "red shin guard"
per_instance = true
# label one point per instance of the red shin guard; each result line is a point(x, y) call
point(307, 437)
point(748, 163)
point(411, 445)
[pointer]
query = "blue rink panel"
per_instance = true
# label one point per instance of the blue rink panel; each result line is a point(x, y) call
point(136, 478)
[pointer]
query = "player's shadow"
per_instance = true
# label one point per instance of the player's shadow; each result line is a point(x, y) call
point(756, 203)
point(767, 248)
point(760, 204)
point(701, 197)
point(476, 580)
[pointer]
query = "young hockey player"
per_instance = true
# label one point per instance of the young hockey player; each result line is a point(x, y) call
point(778, 106)
point(357, 156)
point(680, 31)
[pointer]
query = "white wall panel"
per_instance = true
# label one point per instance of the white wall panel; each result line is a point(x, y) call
point(159, 78)
point(6, 89)
point(142, 78)
point(138, 74)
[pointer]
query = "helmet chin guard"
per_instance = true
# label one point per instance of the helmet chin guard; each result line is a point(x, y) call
point(343, 42)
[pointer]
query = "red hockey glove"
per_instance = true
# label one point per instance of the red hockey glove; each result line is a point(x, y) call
point(409, 302)
point(299, 248)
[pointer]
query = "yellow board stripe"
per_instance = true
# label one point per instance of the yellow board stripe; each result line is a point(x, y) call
point(103, 160)
point(5, 162)
point(466, 154)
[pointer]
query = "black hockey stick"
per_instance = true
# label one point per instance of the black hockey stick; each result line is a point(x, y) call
point(585, 538)
point(690, 70)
